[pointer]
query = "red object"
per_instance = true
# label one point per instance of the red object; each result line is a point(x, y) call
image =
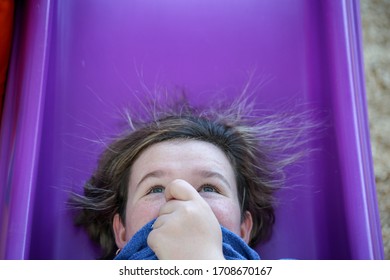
point(6, 24)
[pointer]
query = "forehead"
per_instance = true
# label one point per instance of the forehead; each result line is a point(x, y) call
point(182, 156)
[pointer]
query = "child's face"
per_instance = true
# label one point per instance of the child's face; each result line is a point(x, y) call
point(203, 165)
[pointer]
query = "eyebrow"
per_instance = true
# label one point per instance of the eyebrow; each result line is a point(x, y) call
point(153, 174)
point(213, 174)
point(201, 173)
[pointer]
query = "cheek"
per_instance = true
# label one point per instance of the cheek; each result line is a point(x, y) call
point(140, 213)
point(228, 214)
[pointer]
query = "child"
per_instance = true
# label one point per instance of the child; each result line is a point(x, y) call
point(188, 184)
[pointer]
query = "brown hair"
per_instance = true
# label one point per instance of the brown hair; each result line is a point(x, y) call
point(256, 147)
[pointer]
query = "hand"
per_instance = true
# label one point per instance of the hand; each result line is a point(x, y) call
point(186, 227)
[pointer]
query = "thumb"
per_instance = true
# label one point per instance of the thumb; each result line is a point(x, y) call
point(180, 190)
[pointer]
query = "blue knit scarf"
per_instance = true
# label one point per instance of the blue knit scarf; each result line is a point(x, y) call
point(234, 248)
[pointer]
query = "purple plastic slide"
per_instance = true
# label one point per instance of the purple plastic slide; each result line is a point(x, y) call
point(76, 64)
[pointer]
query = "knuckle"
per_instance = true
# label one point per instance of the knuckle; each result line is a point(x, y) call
point(152, 240)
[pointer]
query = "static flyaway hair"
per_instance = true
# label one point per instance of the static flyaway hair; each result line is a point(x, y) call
point(259, 146)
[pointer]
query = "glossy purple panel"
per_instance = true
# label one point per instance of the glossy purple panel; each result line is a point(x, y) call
point(76, 64)
point(21, 129)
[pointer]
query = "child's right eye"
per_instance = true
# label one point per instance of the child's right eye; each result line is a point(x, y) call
point(156, 189)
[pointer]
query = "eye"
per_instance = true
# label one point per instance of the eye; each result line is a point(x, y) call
point(156, 189)
point(208, 188)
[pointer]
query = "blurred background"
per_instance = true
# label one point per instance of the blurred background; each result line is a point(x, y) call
point(375, 16)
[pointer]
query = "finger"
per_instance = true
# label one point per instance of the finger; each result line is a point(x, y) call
point(180, 190)
point(166, 211)
point(171, 206)
point(159, 222)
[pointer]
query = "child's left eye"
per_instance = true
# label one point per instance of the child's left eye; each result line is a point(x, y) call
point(208, 188)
